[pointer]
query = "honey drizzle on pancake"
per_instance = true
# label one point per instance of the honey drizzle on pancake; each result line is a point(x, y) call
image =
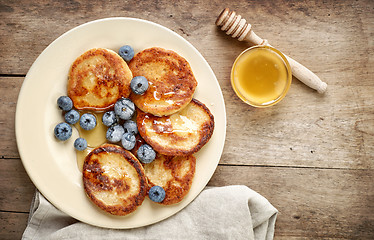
point(170, 77)
point(179, 134)
point(162, 96)
point(114, 179)
point(163, 125)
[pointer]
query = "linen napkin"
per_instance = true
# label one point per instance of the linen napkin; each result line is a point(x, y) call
point(231, 212)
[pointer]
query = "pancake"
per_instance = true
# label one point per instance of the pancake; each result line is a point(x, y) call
point(114, 179)
point(171, 81)
point(97, 79)
point(174, 174)
point(179, 134)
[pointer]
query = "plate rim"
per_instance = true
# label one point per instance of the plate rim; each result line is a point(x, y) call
point(18, 121)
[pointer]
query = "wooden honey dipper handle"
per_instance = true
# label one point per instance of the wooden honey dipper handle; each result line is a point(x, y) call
point(237, 27)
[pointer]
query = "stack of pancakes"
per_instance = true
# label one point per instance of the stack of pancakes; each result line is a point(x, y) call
point(168, 117)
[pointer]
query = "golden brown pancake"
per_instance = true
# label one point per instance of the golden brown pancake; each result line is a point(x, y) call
point(180, 134)
point(173, 173)
point(114, 179)
point(97, 79)
point(171, 81)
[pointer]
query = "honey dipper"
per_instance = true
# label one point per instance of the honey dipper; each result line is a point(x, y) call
point(237, 27)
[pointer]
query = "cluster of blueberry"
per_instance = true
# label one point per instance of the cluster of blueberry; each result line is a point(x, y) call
point(125, 133)
point(63, 131)
point(124, 109)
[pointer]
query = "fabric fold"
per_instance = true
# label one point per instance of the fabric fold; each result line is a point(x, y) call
point(231, 212)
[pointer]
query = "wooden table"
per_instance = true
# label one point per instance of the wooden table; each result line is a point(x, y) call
point(311, 156)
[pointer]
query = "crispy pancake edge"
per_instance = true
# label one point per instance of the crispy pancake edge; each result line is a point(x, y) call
point(175, 194)
point(189, 85)
point(123, 78)
point(137, 199)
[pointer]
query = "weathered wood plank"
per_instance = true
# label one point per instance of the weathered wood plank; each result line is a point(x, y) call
point(312, 32)
point(12, 225)
point(16, 189)
point(9, 90)
point(313, 203)
point(330, 133)
point(311, 155)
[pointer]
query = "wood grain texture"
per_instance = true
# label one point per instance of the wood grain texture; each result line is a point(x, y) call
point(312, 126)
point(16, 189)
point(291, 26)
point(311, 155)
point(312, 203)
point(10, 87)
point(12, 225)
point(288, 134)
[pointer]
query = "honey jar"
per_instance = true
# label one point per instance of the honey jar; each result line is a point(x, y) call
point(261, 76)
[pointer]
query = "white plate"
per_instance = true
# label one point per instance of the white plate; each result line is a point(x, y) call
point(51, 164)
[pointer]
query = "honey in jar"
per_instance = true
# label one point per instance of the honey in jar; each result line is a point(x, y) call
point(261, 76)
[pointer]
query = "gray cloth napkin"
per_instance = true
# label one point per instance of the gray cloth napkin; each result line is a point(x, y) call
point(231, 212)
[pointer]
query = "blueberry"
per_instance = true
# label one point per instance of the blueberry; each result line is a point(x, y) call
point(88, 121)
point(65, 103)
point(124, 108)
point(80, 144)
point(146, 154)
point(128, 141)
point(72, 117)
point(109, 118)
point(126, 52)
point(115, 133)
point(156, 194)
point(130, 127)
point(139, 85)
point(63, 131)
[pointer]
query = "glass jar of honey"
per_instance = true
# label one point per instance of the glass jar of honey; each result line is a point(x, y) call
point(261, 76)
